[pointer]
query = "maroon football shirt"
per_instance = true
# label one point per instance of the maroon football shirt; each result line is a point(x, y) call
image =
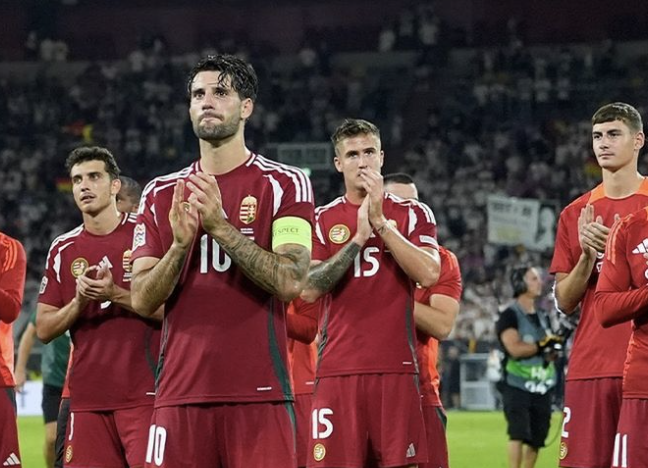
point(225, 337)
point(369, 325)
point(115, 350)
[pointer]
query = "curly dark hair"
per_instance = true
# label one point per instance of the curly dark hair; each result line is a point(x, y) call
point(242, 76)
point(93, 153)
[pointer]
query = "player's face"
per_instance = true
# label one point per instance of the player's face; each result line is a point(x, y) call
point(126, 204)
point(92, 188)
point(216, 110)
point(355, 155)
point(534, 282)
point(616, 145)
point(405, 191)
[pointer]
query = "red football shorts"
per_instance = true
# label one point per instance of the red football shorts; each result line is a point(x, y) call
point(303, 405)
point(437, 446)
point(259, 435)
point(591, 415)
point(9, 452)
point(358, 418)
point(107, 439)
point(630, 443)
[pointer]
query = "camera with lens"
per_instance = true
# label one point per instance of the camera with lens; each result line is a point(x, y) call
point(551, 347)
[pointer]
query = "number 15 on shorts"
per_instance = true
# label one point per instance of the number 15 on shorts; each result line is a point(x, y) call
point(322, 425)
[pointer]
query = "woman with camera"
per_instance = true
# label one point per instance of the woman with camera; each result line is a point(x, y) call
point(528, 372)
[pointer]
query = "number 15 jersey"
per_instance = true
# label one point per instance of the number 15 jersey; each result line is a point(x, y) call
point(369, 327)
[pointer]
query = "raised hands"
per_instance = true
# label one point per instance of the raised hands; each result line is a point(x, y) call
point(183, 218)
point(592, 233)
point(206, 199)
point(364, 229)
point(372, 182)
point(96, 284)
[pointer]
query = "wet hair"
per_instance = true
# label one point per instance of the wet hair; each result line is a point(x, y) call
point(242, 76)
point(354, 127)
point(397, 178)
point(93, 153)
point(619, 111)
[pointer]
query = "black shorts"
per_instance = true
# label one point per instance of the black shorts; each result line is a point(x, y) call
point(61, 428)
point(528, 415)
point(51, 402)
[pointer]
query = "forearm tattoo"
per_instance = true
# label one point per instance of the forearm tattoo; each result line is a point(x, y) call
point(274, 272)
point(156, 285)
point(324, 276)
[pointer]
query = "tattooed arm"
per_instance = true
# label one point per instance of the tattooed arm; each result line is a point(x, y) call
point(154, 279)
point(323, 276)
point(282, 273)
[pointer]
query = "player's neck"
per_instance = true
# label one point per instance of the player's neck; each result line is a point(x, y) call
point(527, 304)
point(355, 197)
point(102, 223)
point(621, 183)
point(223, 157)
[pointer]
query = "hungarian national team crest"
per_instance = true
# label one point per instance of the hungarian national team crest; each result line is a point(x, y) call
point(563, 450)
point(247, 213)
point(319, 452)
point(339, 234)
point(126, 264)
point(79, 266)
point(68, 454)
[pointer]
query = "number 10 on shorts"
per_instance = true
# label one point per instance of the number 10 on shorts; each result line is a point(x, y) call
point(320, 421)
point(156, 445)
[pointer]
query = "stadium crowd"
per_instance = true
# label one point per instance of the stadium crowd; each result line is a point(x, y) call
point(463, 146)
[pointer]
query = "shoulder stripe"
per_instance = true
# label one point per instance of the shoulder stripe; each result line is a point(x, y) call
point(427, 211)
point(301, 181)
point(11, 255)
point(321, 209)
point(298, 177)
point(62, 238)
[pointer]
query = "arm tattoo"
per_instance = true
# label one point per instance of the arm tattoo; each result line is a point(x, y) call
point(156, 285)
point(277, 273)
point(324, 276)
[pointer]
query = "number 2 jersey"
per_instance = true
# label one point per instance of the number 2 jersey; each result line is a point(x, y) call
point(625, 271)
point(597, 352)
point(115, 351)
point(224, 337)
point(369, 324)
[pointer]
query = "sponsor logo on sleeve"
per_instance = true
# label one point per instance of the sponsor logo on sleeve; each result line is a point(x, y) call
point(248, 210)
point(139, 236)
point(339, 234)
point(43, 285)
point(79, 266)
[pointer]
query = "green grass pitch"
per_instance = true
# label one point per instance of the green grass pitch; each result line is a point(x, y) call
point(475, 439)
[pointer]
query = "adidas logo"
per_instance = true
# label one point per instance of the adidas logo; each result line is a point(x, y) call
point(12, 460)
point(641, 248)
point(411, 451)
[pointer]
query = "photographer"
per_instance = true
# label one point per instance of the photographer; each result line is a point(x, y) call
point(528, 372)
